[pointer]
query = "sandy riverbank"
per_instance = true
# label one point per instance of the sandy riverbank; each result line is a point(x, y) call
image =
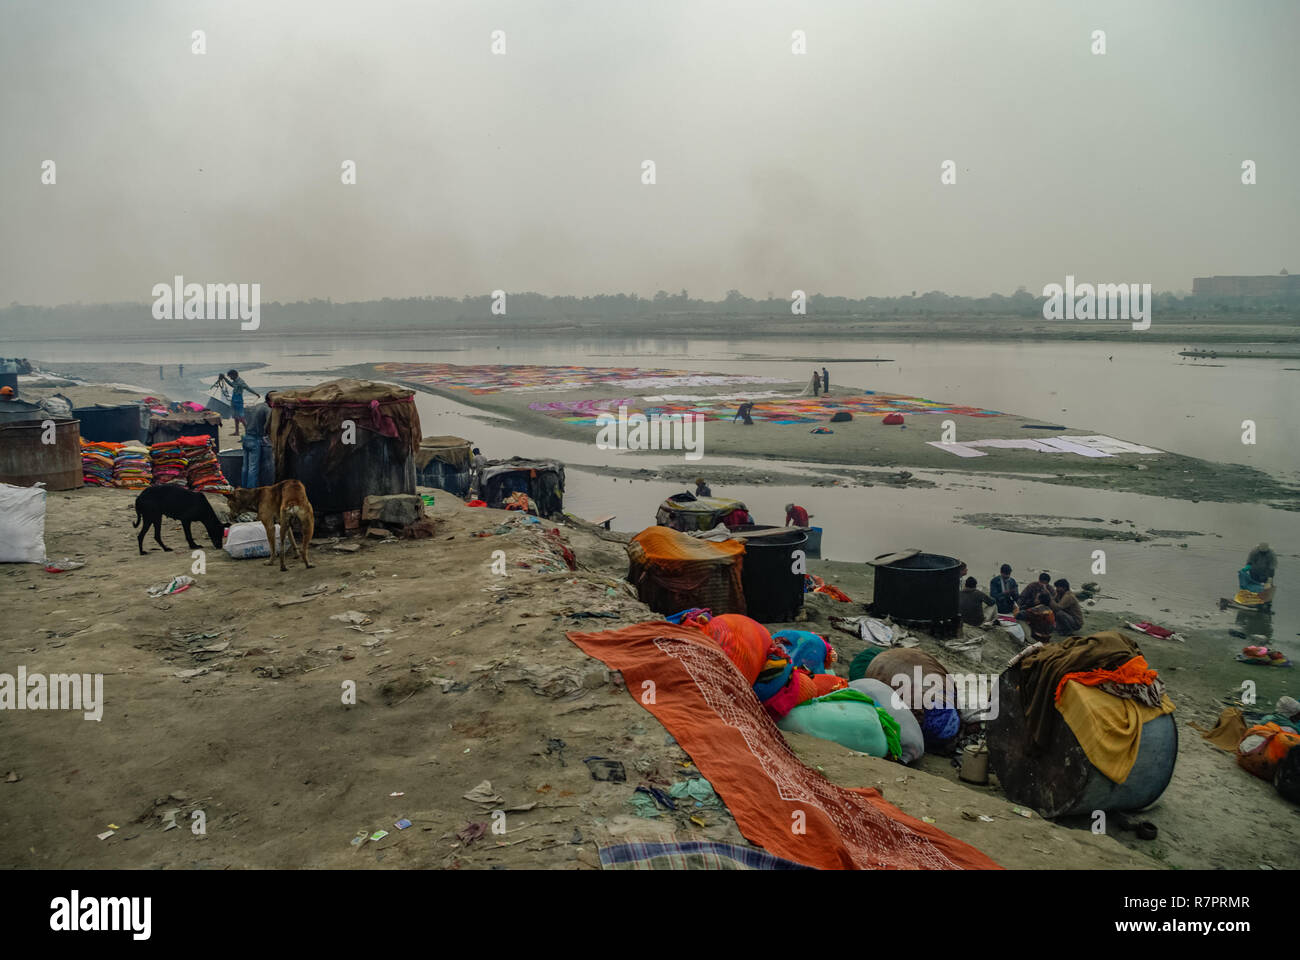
point(459, 680)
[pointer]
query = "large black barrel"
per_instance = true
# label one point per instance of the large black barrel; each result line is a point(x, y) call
point(1058, 780)
point(773, 590)
point(918, 589)
point(115, 423)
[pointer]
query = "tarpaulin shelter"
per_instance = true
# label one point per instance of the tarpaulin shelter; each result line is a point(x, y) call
point(444, 462)
point(685, 511)
point(309, 427)
point(164, 428)
point(542, 480)
point(673, 571)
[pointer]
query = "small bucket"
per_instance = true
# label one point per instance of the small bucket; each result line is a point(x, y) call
point(975, 764)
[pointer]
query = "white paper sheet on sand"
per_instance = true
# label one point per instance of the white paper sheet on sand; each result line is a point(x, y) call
point(1093, 446)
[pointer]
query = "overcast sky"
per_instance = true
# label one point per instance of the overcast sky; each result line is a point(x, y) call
point(523, 171)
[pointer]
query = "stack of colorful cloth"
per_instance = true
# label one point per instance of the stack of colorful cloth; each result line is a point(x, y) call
point(171, 462)
point(97, 462)
point(132, 468)
point(205, 470)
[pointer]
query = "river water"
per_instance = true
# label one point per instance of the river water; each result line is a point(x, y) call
point(1141, 392)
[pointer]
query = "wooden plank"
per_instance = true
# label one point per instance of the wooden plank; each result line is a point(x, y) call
point(605, 521)
point(894, 557)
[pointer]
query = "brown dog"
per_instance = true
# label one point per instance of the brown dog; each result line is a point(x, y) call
point(280, 502)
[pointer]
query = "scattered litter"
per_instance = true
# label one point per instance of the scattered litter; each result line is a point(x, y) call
point(928, 819)
point(63, 566)
point(379, 835)
point(176, 585)
point(484, 793)
point(353, 617)
point(606, 770)
point(697, 789)
point(106, 834)
point(471, 832)
point(12, 777)
point(1021, 811)
point(699, 821)
point(397, 793)
point(402, 824)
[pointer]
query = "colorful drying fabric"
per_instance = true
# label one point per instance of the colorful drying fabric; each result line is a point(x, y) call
point(691, 855)
point(711, 710)
point(791, 409)
point(497, 378)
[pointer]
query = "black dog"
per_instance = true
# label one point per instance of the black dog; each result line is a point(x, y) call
point(187, 506)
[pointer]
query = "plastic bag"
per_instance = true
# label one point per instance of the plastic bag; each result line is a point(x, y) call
point(22, 524)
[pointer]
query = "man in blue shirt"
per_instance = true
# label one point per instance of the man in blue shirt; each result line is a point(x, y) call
point(1004, 591)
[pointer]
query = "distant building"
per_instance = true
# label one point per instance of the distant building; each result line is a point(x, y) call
point(1275, 287)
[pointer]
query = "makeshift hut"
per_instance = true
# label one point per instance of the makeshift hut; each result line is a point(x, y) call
point(673, 572)
point(341, 465)
point(25, 457)
point(164, 428)
point(114, 423)
point(542, 481)
point(444, 462)
point(685, 511)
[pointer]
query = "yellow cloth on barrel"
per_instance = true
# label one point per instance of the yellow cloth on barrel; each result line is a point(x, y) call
point(1109, 728)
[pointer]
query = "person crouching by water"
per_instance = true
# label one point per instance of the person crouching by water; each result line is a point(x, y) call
point(971, 601)
point(1037, 594)
point(1066, 609)
point(1041, 622)
point(1004, 590)
point(237, 388)
point(702, 488)
point(797, 515)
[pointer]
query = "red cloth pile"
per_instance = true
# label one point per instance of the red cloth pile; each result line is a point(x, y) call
point(205, 470)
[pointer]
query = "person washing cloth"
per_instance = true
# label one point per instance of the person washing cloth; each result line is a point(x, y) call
point(237, 388)
point(702, 488)
point(797, 515)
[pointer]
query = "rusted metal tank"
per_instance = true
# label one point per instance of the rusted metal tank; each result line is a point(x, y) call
point(25, 460)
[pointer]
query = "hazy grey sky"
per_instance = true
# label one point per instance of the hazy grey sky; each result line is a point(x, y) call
point(523, 171)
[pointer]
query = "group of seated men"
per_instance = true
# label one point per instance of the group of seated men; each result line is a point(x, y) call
point(1046, 607)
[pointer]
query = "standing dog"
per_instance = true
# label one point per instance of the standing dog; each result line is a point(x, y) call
point(280, 502)
point(187, 506)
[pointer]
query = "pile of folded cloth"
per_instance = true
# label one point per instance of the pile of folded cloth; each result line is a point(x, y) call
point(205, 470)
point(132, 468)
point(171, 462)
point(97, 462)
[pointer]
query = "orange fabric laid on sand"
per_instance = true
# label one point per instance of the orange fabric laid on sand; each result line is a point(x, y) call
point(1134, 671)
point(712, 712)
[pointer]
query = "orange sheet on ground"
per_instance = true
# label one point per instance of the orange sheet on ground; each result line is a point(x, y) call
point(706, 705)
